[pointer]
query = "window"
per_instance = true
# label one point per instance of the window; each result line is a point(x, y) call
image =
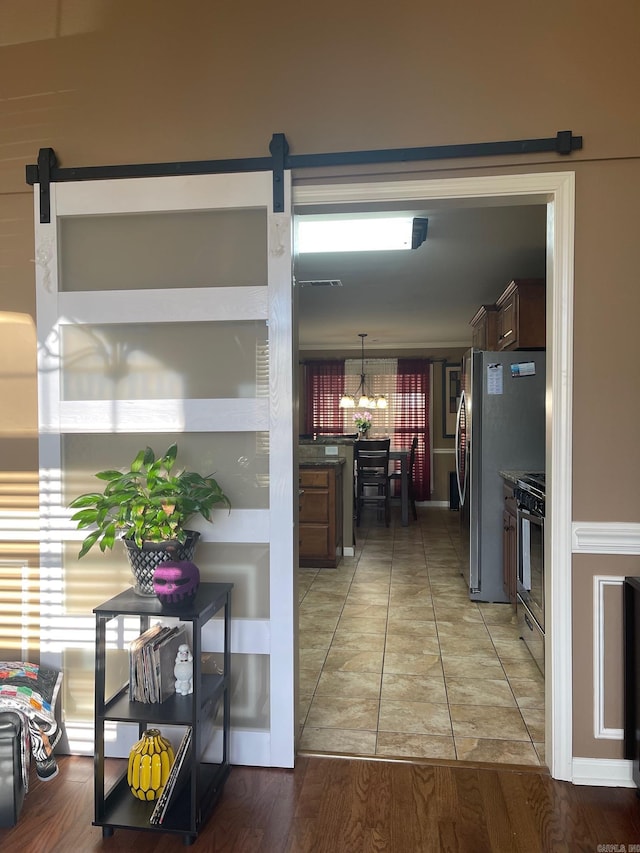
point(405, 383)
point(324, 383)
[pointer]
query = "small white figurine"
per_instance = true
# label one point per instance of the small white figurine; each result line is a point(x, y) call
point(183, 670)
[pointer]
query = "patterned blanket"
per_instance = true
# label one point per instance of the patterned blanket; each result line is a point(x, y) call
point(31, 691)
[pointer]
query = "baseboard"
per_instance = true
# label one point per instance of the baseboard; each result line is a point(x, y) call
point(605, 772)
point(348, 551)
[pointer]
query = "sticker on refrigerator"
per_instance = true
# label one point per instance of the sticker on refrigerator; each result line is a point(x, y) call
point(494, 379)
point(524, 368)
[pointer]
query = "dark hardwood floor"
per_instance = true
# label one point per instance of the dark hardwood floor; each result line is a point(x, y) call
point(342, 805)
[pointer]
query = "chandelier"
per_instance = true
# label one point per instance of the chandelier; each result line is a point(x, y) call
point(365, 399)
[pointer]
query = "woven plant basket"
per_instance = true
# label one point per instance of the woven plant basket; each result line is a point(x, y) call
point(143, 561)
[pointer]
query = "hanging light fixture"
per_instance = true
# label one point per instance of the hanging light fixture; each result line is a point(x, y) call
point(365, 400)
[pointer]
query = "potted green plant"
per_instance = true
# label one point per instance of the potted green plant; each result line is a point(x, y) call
point(147, 508)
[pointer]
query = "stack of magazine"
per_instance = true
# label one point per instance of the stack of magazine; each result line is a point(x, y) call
point(177, 777)
point(152, 657)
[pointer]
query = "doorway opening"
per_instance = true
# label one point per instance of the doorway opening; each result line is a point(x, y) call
point(547, 196)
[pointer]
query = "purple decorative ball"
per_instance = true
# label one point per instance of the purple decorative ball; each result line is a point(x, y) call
point(176, 581)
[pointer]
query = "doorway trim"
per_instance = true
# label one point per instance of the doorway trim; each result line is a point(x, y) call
point(557, 191)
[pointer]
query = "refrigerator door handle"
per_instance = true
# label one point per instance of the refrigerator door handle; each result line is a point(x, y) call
point(461, 474)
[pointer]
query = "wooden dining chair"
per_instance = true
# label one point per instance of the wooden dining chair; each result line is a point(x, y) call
point(397, 476)
point(372, 476)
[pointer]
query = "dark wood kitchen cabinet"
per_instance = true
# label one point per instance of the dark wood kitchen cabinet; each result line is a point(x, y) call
point(484, 328)
point(521, 315)
point(509, 544)
point(320, 525)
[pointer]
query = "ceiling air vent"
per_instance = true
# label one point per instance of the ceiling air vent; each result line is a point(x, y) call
point(321, 282)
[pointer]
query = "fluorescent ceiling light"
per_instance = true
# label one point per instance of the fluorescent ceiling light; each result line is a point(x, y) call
point(360, 235)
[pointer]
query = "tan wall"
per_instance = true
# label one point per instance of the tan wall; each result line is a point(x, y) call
point(117, 81)
point(607, 454)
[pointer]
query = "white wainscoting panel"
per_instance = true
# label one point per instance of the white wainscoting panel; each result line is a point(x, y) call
point(599, 658)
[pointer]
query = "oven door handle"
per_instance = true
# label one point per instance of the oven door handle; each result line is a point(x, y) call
point(524, 548)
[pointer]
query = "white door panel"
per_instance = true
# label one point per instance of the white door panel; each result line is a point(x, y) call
point(147, 290)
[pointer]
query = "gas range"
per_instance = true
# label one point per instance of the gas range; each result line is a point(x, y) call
point(530, 492)
point(533, 483)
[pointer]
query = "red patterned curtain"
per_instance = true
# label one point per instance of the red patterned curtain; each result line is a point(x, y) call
point(324, 384)
point(411, 417)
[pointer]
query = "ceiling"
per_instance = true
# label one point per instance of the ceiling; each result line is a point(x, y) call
point(424, 297)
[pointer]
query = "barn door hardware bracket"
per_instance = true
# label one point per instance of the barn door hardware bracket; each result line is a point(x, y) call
point(42, 174)
point(279, 148)
point(47, 170)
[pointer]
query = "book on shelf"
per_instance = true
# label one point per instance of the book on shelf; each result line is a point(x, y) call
point(152, 657)
point(135, 661)
point(177, 777)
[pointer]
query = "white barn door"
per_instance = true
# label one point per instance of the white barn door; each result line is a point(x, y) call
point(165, 314)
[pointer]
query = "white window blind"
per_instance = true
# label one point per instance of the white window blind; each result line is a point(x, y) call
point(19, 566)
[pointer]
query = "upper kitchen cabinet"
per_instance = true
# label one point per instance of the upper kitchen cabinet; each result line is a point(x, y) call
point(521, 315)
point(484, 327)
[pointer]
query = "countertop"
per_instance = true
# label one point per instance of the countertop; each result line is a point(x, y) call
point(512, 476)
point(322, 462)
point(327, 439)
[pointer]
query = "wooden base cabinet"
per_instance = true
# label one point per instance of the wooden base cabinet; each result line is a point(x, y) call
point(206, 711)
point(320, 543)
point(510, 545)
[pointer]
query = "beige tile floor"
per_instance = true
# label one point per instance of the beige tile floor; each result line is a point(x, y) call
point(396, 661)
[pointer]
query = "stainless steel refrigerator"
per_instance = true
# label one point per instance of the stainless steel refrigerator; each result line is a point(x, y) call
point(500, 426)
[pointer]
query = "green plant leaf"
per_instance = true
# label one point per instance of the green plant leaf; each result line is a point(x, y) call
point(108, 537)
point(85, 516)
point(109, 475)
point(139, 461)
point(85, 500)
point(169, 458)
point(88, 543)
point(148, 457)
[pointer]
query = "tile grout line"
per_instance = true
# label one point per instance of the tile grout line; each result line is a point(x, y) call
point(435, 619)
point(396, 552)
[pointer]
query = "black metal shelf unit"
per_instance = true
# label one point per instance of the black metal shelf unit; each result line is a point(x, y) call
point(117, 807)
